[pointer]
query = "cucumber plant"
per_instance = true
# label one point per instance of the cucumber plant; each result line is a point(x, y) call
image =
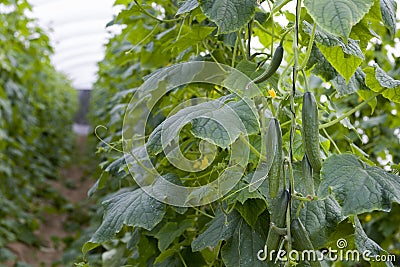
point(37, 105)
point(333, 172)
point(310, 133)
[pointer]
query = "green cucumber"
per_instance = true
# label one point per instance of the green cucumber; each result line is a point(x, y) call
point(301, 239)
point(308, 176)
point(273, 66)
point(278, 218)
point(271, 147)
point(311, 131)
point(276, 170)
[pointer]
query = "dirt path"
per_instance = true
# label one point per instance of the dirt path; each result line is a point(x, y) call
point(73, 185)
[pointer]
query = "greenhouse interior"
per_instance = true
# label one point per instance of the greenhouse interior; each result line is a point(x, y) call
point(199, 133)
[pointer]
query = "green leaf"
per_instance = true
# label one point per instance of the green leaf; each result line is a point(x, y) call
point(360, 153)
point(388, 10)
point(378, 81)
point(364, 243)
point(242, 193)
point(170, 231)
point(362, 33)
point(320, 65)
point(298, 149)
point(323, 68)
point(229, 15)
point(337, 16)
point(213, 121)
point(190, 36)
point(344, 230)
point(145, 249)
point(357, 82)
point(187, 6)
point(220, 228)
point(385, 80)
point(320, 217)
point(165, 255)
point(249, 68)
point(365, 94)
point(132, 208)
point(251, 209)
point(209, 129)
point(343, 63)
point(89, 246)
point(241, 249)
point(356, 186)
point(350, 47)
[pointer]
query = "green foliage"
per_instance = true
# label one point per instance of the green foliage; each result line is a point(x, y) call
point(229, 15)
point(357, 115)
point(37, 105)
point(338, 17)
point(367, 183)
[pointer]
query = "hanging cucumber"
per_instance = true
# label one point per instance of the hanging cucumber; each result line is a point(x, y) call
point(275, 172)
point(308, 176)
point(311, 131)
point(273, 66)
point(271, 148)
point(278, 218)
point(301, 239)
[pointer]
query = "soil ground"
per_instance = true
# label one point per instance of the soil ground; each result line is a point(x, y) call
point(52, 228)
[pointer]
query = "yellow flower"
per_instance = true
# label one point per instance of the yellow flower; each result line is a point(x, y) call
point(272, 93)
point(201, 163)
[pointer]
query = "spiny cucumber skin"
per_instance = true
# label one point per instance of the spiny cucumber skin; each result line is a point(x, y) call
point(302, 239)
point(279, 219)
point(311, 131)
point(275, 173)
point(308, 176)
point(273, 66)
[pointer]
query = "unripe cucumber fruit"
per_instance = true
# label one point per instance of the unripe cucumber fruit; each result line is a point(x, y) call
point(273, 66)
point(308, 176)
point(302, 240)
point(278, 218)
point(311, 131)
point(276, 171)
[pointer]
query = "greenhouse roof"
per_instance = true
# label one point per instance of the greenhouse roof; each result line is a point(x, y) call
point(77, 31)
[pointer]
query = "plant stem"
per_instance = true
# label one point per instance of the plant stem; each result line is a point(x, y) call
point(348, 113)
point(299, 209)
point(272, 35)
point(182, 260)
point(305, 80)
point(293, 124)
point(249, 33)
point(212, 56)
point(152, 16)
point(332, 141)
point(309, 48)
point(242, 49)
point(291, 177)
point(144, 39)
point(203, 212)
point(304, 199)
point(180, 29)
point(285, 70)
point(262, 28)
point(277, 8)
point(235, 51)
point(252, 148)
